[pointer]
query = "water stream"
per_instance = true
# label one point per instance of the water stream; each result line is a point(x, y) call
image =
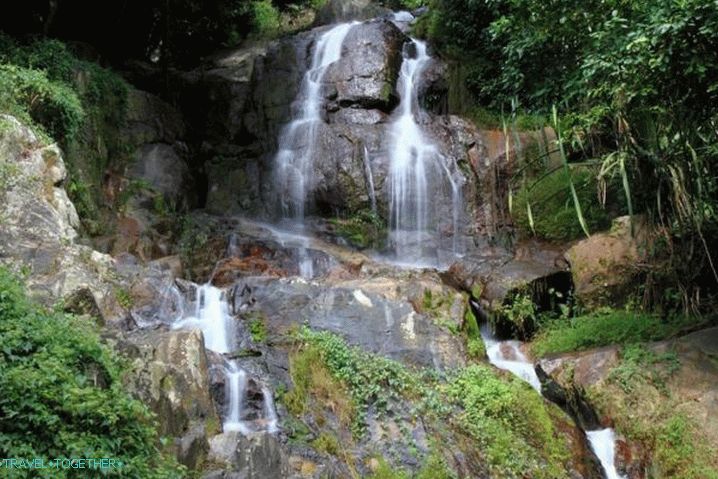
point(417, 170)
point(507, 355)
point(293, 162)
point(211, 316)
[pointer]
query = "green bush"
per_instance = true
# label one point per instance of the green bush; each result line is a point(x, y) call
point(62, 394)
point(552, 206)
point(30, 95)
point(602, 328)
point(510, 423)
point(265, 18)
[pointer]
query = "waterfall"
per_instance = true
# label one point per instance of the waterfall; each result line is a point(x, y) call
point(212, 317)
point(603, 444)
point(237, 387)
point(416, 168)
point(507, 355)
point(294, 160)
point(369, 179)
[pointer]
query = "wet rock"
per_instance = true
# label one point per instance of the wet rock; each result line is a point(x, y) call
point(604, 266)
point(367, 72)
point(258, 456)
point(388, 327)
point(151, 120)
point(169, 373)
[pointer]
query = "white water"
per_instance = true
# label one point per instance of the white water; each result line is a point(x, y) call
point(507, 355)
point(416, 169)
point(237, 385)
point(213, 319)
point(603, 444)
point(294, 160)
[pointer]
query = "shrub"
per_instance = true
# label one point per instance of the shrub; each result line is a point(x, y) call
point(265, 18)
point(62, 394)
point(32, 96)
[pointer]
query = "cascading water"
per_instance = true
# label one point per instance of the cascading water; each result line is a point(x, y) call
point(603, 443)
point(416, 169)
point(293, 161)
point(507, 355)
point(212, 317)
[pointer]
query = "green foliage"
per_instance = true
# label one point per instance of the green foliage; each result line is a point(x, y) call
point(520, 312)
point(257, 329)
point(641, 365)
point(510, 422)
point(371, 380)
point(76, 103)
point(677, 453)
point(384, 470)
point(365, 229)
point(552, 206)
point(265, 18)
point(30, 95)
point(637, 85)
point(602, 328)
point(124, 298)
point(62, 393)
point(435, 467)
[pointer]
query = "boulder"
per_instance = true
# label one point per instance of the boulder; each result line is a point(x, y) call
point(604, 266)
point(367, 72)
point(38, 227)
point(335, 11)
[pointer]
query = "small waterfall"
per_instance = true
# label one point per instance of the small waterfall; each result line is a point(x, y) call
point(270, 412)
point(212, 317)
point(237, 387)
point(416, 168)
point(294, 160)
point(603, 444)
point(507, 355)
point(369, 179)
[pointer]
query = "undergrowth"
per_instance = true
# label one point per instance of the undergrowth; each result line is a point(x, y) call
point(62, 394)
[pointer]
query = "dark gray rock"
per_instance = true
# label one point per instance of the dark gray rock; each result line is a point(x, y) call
point(367, 72)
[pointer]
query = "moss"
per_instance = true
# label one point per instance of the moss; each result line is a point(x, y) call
point(257, 329)
point(552, 208)
point(604, 327)
point(365, 229)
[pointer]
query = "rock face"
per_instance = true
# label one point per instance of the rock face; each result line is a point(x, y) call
point(390, 328)
point(156, 182)
point(248, 96)
point(170, 374)
point(37, 226)
point(604, 265)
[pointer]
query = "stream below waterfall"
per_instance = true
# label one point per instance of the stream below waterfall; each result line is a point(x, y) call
point(508, 355)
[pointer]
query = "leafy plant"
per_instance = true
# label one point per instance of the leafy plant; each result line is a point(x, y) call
point(63, 396)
